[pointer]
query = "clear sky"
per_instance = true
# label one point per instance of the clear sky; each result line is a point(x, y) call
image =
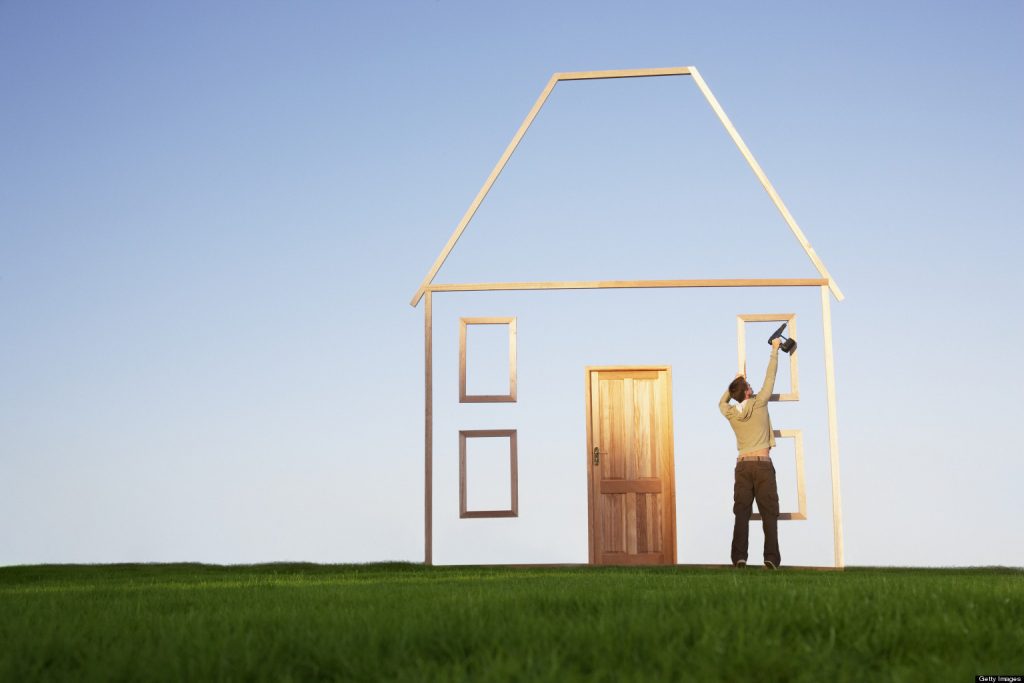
point(213, 215)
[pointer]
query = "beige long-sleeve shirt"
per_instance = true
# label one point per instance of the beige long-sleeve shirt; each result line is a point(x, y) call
point(750, 419)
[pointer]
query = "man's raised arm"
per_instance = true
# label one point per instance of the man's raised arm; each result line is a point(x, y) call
point(769, 376)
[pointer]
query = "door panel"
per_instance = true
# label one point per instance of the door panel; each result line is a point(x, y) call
point(613, 522)
point(632, 486)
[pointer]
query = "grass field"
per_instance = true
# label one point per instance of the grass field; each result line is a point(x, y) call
point(285, 622)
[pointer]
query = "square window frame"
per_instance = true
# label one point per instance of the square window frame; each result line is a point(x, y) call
point(464, 436)
point(801, 492)
point(741, 343)
point(510, 397)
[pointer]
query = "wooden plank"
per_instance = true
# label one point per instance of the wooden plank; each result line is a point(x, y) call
point(487, 398)
point(644, 541)
point(644, 450)
point(667, 451)
point(468, 216)
point(514, 473)
point(606, 375)
point(475, 433)
point(631, 486)
point(768, 317)
point(590, 386)
point(428, 436)
point(790, 516)
point(613, 523)
point(462, 360)
point(756, 168)
point(631, 527)
point(513, 373)
point(488, 321)
point(794, 360)
point(475, 514)
point(613, 464)
point(741, 346)
point(627, 284)
point(462, 475)
point(801, 486)
point(833, 429)
point(624, 73)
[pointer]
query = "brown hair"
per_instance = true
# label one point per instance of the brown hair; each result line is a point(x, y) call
point(738, 389)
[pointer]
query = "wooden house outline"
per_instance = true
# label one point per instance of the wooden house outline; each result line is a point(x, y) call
point(655, 374)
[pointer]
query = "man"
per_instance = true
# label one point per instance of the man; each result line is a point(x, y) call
point(755, 473)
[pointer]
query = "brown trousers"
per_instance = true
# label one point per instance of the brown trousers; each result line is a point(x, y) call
point(756, 481)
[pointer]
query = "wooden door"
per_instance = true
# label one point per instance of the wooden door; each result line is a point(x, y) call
point(631, 477)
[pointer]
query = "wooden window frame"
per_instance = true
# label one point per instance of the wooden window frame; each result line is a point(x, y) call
point(464, 396)
point(741, 348)
point(801, 492)
point(465, 435)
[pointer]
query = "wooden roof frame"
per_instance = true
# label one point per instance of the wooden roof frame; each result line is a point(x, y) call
point(626, 73)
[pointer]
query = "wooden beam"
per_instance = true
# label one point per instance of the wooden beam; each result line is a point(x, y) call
point(741, 347)
point(591, 430)
point(623, 73)
point(768, 317)
point(626, 284)
point(484, 190)
point(833, 427)
point(756, 168)
point(631, 486)
point(428, 429)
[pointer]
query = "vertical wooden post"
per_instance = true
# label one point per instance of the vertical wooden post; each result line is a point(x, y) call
point(833, 427)
point(428, 428)
point(741, 345)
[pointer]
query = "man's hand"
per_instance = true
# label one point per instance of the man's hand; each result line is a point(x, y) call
point(776, 343)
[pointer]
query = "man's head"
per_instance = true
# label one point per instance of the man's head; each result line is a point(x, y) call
point(739, 390)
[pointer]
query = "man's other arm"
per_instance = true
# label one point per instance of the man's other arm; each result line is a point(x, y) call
point(723, 404)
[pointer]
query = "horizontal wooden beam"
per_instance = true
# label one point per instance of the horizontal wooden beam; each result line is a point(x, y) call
point(623, 73)
point(626, 284)
point(766, 317)
point(631, 486)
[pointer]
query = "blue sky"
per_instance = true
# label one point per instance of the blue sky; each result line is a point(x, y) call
point(213, 215)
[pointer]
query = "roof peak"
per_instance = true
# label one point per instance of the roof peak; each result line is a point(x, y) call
point(628, 73)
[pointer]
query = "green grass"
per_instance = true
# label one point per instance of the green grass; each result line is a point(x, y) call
point(409, 622)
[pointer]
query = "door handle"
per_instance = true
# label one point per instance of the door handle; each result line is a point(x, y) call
point(597, 456)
